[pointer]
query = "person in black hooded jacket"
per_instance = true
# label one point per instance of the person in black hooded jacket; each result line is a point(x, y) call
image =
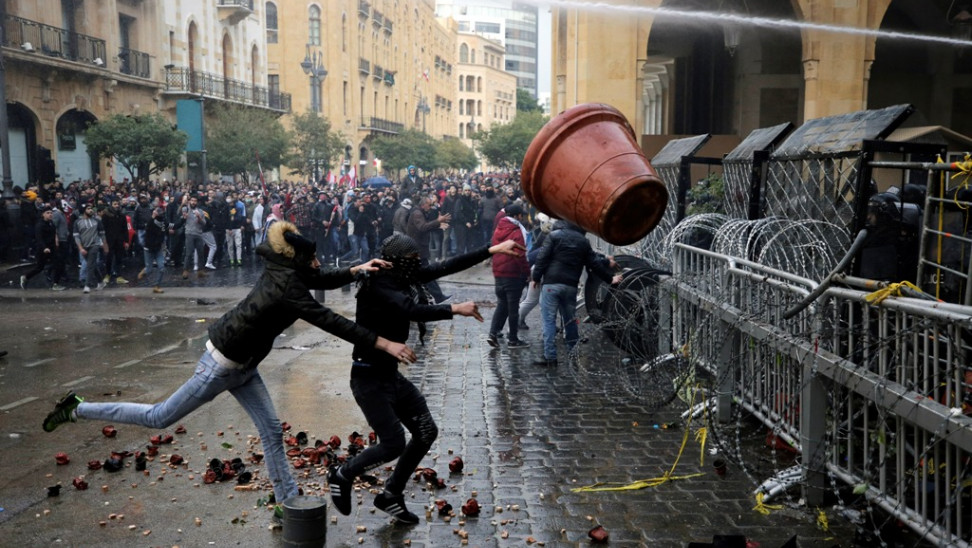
point(387, 302)
point(241, 339)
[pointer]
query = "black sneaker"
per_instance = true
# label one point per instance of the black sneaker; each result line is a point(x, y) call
point(491, 340)
point(63, 412)
point(340, 491)
point(544, 362)
point(516, 343)
point(395, 507)
point(523, 327)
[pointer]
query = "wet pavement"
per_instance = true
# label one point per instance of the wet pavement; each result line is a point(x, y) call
point(529, 436)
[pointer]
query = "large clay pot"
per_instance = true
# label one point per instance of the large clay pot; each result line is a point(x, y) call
point(585, 166)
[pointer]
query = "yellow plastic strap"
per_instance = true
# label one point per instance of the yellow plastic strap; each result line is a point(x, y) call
point(763, 508)
point(890, 290)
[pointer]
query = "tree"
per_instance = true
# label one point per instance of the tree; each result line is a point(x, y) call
point(453, 154)
point(315, 146)
point(143, 144)
point(525, 102)
point(504, 146)
point(408, 148)
point(236, 134)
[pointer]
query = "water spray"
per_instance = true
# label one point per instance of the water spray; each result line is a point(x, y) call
point(746, 20)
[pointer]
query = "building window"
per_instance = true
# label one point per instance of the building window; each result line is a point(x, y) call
point(271, 23)
point(464, 53)
point(314, 32)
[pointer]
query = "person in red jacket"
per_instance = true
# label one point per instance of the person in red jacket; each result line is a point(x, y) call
point(511, 274)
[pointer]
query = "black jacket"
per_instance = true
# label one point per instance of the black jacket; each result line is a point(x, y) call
point(565, 254)
point(155, 231)
point(386, 307)
point(280, 297)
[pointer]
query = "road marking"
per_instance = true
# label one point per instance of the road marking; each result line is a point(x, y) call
point(82, 349)
point(167, 349)
point(17, 403)
point(126, 364)
point(78, 381)
point(38, 362)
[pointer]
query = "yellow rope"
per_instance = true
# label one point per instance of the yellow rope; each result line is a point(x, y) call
point(700, 435)
point(764, 508)
point(648, 482)
point(890, 290)
point(964, 171)
point(822, 522)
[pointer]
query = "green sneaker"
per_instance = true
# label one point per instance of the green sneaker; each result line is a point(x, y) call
point(277, 518)
point(63, 412)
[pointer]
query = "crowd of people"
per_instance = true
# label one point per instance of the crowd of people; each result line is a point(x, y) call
point(404, 237)
point(218, 224)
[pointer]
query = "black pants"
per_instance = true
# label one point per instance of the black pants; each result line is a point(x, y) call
point(508, 293)
point(391, 404)
point(43, 260)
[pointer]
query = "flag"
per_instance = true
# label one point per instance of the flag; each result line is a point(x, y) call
point(263, 181)
point(425, 74)
point(353, 177)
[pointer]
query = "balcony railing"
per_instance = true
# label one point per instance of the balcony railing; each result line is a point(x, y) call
point(379, 125)
point(388, 26)
point(182, 80)
point(377, 18)
point(364, 8)
point(234, 11)
point(53, 41)
point(364, 66)
point(378, 73)
point(134, 63)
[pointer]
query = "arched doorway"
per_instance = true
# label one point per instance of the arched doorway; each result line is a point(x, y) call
point(73, 161)
point(705, 77)
point(28, 162)
point(935, 78)
point(192, 39)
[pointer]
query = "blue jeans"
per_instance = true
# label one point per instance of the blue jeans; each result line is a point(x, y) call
point(210, 380)
point(155, 260)
point(556, 298)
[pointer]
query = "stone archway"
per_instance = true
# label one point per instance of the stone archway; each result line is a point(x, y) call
point(71, 153)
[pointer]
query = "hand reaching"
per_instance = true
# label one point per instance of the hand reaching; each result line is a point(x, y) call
point(468, 308)
point(509, 247)
point(371, 266)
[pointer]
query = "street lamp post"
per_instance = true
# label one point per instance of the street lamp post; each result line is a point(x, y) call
point(313, 66)
point(202, 137)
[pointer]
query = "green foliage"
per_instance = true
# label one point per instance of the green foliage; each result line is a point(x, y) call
point(411, 147)
point(454, 154)
point(504, 146)
point(235, 134)
point(144, 144)
point(313, 140)
point(706, 196)
point(525, 102)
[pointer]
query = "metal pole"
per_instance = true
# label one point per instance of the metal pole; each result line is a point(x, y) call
point(202, 137)
point(12, 202)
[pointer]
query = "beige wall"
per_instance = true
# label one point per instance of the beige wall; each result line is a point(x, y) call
point(350, 96)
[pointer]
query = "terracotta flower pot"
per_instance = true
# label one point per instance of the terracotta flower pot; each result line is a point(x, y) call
point(585, 166)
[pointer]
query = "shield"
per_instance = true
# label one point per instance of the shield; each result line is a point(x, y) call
point(376, 182)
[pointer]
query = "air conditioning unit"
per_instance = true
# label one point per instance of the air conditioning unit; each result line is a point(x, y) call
point(27, 46)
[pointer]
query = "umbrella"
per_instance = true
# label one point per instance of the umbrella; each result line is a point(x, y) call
point(376, 182)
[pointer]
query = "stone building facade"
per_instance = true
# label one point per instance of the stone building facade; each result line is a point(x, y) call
point(486, 92)
point(683, 67)
point(371, 68)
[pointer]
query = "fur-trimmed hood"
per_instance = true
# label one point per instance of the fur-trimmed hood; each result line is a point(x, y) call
point(278, 243)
